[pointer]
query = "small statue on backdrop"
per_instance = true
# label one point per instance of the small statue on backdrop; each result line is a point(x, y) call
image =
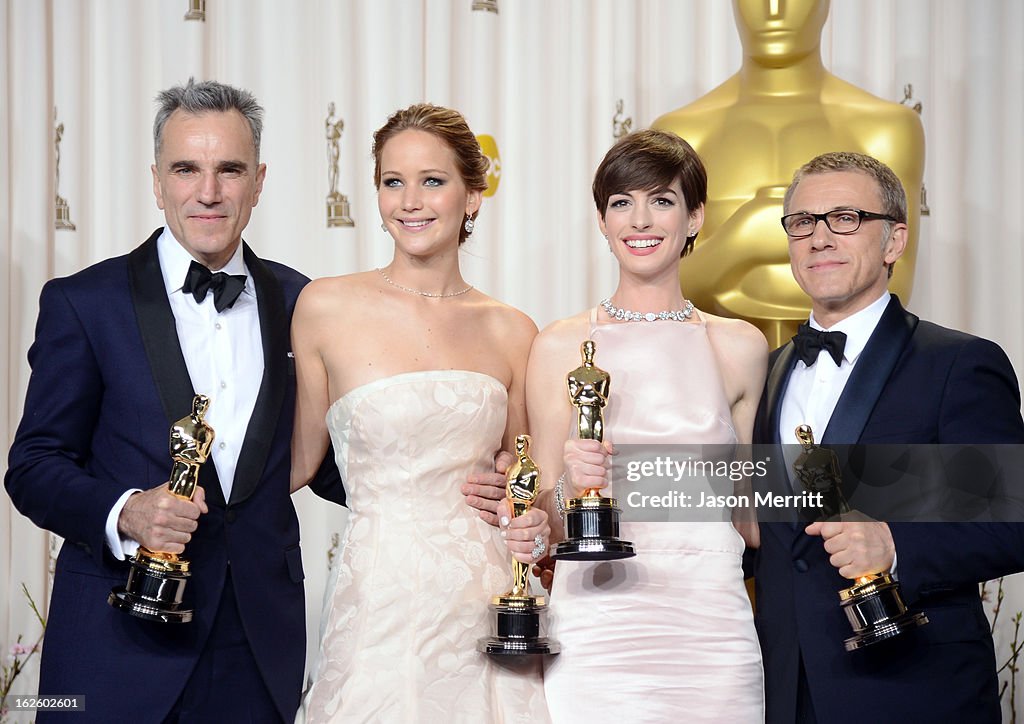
point(196, 10)
point(62, 212)
point(338, 213)
point(490, 6)
point(621, 126)
point(909, 100)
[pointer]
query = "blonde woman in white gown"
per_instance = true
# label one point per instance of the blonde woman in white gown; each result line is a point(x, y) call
point(667, 635)
point(419, 380)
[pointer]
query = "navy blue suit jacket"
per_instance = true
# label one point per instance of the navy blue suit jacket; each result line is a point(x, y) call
point(915, 382)
point(108, 379)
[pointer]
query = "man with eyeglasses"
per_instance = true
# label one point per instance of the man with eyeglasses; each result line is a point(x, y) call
point(864, 370)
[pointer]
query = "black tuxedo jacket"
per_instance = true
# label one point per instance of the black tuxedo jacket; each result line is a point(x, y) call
point(108, 379)
point(915, 382)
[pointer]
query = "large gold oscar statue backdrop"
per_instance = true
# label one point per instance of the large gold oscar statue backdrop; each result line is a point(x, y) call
point(753, 131)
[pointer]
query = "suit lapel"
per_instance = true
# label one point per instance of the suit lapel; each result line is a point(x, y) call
point(778, 381)
point(274, 330)
point(775, 388)
point(857, 400)
point(875, 365)
point(159, 334)
point(163, 349)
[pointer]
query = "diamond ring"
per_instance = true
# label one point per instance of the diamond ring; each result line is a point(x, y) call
point(539, 547)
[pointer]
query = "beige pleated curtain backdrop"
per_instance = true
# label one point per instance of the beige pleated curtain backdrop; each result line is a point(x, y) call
point(542, 77)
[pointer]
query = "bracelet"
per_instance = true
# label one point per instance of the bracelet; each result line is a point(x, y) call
point(560, 496)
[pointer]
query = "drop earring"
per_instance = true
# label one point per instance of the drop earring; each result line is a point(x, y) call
point(469, 225)
point(688, 244)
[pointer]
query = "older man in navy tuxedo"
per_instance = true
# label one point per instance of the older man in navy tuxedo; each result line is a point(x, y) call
point(120, 350)
point(864, 370)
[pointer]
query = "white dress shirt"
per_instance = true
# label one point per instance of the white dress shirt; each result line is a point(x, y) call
point(813, 392)
point(223, 352)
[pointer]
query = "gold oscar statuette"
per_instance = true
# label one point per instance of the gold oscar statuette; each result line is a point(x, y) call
point(591, 520)
point(338, 212)
point(518, 619)
point(156, 579)
point(777, 112)
point(873, 605)
point(817, 469)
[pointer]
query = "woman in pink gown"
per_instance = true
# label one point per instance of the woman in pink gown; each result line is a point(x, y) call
point(667, 635)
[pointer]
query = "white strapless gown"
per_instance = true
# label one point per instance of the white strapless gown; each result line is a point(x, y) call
point(417, 565)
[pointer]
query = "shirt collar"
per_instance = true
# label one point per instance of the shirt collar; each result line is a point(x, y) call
point(175, 261)
point(857, 327)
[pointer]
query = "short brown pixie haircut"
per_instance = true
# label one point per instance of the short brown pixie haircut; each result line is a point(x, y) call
point(649, 160)
point(452, 129)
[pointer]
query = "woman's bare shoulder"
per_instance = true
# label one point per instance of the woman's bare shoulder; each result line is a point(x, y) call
point(507, 321)
point(564, 334)
point(738, 334)
point(326, 286)
point(331, 300)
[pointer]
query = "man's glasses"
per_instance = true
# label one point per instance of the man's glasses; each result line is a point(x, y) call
point(839, 221)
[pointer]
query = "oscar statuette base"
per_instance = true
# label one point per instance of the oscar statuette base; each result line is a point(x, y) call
point(62, 216)
point(592, 531)
point(519, 624)
point(338, 214)
point(155, 589)
point(876, 611)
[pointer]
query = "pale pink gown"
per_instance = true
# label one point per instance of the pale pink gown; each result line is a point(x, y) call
point(668, 635)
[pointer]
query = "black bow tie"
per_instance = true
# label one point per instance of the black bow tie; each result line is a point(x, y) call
point(809, 342)
point(226, 287)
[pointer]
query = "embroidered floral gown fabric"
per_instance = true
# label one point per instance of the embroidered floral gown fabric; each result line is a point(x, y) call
point(417, 565)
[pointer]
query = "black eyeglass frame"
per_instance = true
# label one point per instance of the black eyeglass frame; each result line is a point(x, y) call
point(862, 216)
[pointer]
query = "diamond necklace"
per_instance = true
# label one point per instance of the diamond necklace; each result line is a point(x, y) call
point(627, 316)
point(432, 295)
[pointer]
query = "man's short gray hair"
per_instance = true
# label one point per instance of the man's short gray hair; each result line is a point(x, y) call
point(890, 190)
point(204, 97)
